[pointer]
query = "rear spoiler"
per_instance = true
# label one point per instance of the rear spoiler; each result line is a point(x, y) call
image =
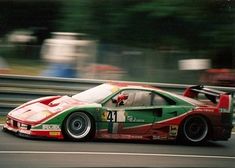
point(211, 94)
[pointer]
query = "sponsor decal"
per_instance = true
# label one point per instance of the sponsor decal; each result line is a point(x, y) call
point(163, 138)
point(130, 118)
point(156, 138)
point(136, 137)
point(104, 116)
point(173, 130)
point(57, 109)
point(50, 127)
point(54, 133)
point(25, 131)
point(114, 116)
point(224, 110)
point(134, 119)
point(203, 110)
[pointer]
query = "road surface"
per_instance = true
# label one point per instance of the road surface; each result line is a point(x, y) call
point(19, 152)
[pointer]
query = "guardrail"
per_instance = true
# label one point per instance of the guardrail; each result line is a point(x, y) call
point(15, 89)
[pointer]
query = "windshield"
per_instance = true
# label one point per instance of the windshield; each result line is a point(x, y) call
point(96, 94)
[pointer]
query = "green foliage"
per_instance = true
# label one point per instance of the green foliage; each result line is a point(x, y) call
point(184, 24)
point(192, 24)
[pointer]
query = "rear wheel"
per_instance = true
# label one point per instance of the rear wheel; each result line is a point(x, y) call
point(194, 130)
point(78, 126)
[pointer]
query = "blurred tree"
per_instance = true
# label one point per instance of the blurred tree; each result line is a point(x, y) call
point(192, 24)
point(195, 25)
point(75, 16)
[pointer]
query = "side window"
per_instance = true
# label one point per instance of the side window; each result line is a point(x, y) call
point(134, 98)
point(130, 100)
point(159, 100)
point(142, 98)
point(111, 103)
point(117, 100)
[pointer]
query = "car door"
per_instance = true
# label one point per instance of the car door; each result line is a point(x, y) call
point(166, 108)
point(134, 115)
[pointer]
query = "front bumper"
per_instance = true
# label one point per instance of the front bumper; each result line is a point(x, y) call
point(33, 133)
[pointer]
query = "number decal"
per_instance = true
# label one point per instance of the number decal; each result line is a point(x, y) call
point(112, 116)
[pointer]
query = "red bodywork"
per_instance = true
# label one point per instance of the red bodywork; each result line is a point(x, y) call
point(218, 113)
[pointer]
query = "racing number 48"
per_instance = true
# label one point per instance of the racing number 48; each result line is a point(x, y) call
point(112, 116)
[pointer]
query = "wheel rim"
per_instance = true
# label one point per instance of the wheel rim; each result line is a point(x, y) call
point(78, 125)
point(195, 129)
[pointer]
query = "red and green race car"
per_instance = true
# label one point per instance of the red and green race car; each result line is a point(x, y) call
point(127, 111)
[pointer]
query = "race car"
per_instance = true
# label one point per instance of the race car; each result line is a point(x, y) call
point(127, 111)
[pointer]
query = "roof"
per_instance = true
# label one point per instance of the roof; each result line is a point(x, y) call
point(133, 85)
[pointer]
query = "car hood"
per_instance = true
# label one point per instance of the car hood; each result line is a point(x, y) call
point(43, 108)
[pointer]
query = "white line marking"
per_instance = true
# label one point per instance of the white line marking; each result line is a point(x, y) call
point(126, 154)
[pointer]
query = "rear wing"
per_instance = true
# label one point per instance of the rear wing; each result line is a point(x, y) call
point(224, 100)
point(211, 94)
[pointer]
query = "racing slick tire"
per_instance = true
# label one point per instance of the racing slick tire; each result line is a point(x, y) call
point(194, 130)
point(79, 126)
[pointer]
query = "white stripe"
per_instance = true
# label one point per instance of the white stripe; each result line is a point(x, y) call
point(126, 154)
point(115, 128)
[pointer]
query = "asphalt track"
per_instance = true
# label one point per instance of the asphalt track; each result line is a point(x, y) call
point(26, 153)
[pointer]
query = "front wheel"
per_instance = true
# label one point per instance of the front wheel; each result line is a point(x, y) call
point(78, 126)
point(194, 130)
